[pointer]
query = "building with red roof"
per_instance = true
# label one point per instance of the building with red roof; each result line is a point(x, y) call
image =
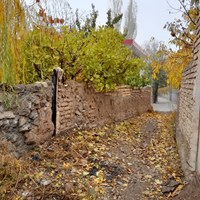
point(138, 51)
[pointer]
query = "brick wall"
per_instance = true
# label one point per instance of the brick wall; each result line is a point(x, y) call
point(82, 107)
point(188, 116)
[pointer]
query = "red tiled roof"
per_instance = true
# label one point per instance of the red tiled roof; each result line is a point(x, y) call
point(136, 48)
point(128, 42)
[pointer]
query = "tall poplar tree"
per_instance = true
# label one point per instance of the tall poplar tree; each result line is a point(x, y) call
point(116, 8)
point(130, 25)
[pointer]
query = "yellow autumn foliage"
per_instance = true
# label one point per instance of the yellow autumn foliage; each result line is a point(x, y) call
point(175, 61)
point(12, 25)
point(174, 64)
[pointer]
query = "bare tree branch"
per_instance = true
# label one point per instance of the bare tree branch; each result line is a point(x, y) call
point(186, 12)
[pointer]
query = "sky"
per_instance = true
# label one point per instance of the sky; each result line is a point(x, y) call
point(152, 15)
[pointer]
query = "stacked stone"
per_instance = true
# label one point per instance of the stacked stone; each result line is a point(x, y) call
point(28, 120)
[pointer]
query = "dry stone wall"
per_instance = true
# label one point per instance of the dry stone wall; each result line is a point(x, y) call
point(189, 115)
point(25, 116)
point(81, 107)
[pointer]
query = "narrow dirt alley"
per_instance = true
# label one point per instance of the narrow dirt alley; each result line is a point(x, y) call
point(153, 160)
point(133, 160)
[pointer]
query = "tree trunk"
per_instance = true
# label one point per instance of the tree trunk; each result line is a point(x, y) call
point(170, 92)
point(155, 91)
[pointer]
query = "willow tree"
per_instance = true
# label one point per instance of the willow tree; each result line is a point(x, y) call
point(12, 17)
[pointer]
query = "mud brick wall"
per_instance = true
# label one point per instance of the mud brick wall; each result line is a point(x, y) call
point(25, 116)
point(81, 107)
point(188, 117)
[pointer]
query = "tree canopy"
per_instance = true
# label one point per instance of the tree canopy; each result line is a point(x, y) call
point(130, 25)
point(83, 50)
point(183, 36)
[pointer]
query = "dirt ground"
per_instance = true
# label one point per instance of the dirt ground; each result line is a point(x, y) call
point(190, 192)
point(133, 160)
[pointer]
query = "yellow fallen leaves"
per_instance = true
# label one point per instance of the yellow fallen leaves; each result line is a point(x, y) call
point(176, 191)
point(66, 165)
point(158, 182)
point(101, 162)
point(162, 155)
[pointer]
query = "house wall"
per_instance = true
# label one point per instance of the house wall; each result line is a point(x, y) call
point(188, 117)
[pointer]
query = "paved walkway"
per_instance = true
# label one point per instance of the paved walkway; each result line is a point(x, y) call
point(164, 105)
